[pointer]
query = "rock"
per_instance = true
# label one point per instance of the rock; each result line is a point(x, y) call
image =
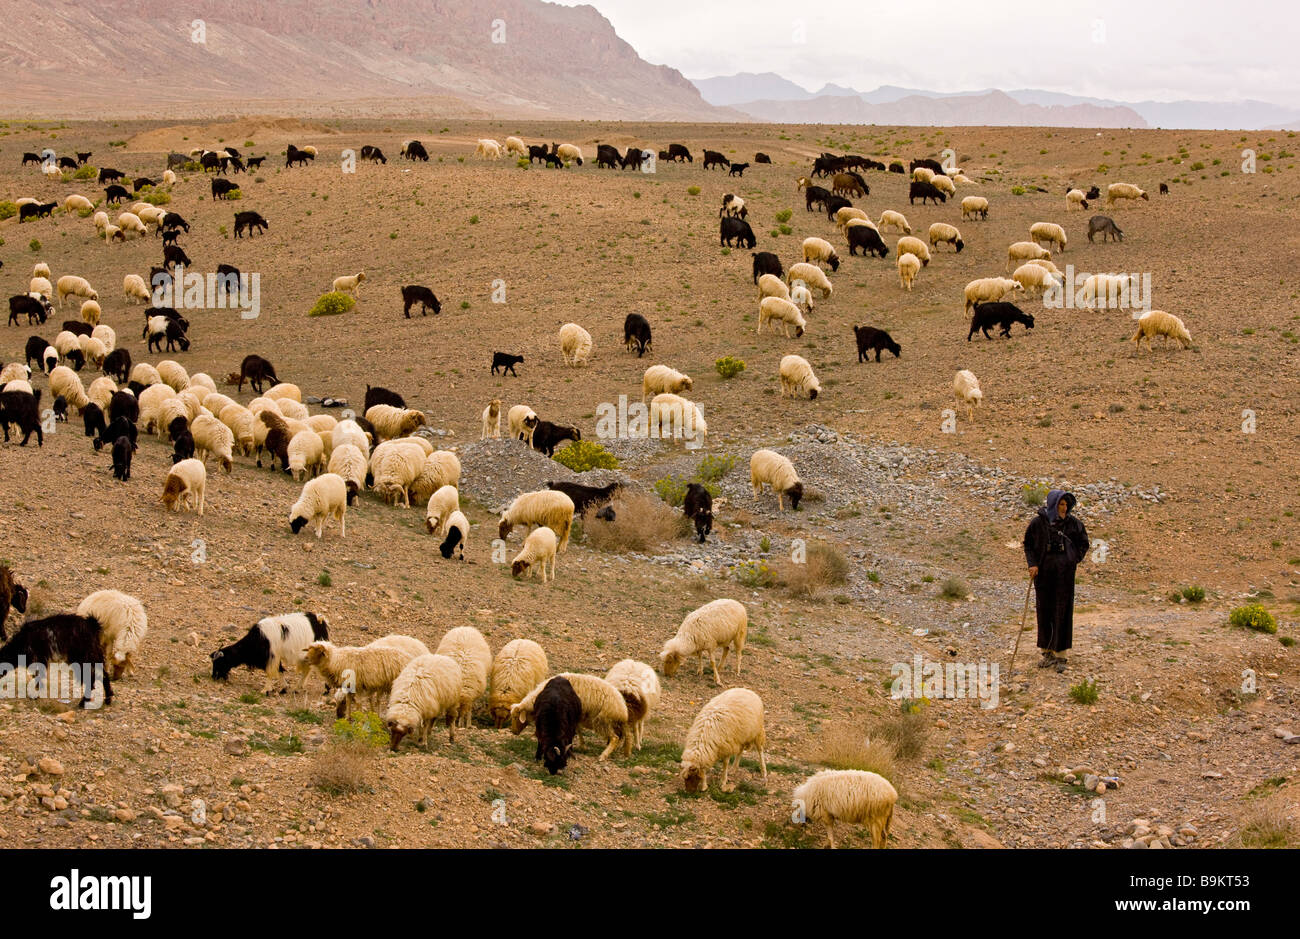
point(1281, 733)
point(542, 829)
point(50, 766)
point(1090, 781)
point(124, 815)
point(172, 796)
point(235, 746)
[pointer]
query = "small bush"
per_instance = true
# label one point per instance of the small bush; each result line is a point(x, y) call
point(1085, 692)
point(954, 588)
point(822, 566)
point(1193, 594)
point(906, 732)
point(1017, 190)
point(712, 468)
point(1033, 494)
point(365, 727)
point(754, 574)
point(844, 748)
point(332, 304)
point(324, 579)
point(693, 190)
point(784, 215)
point(583, 455)
point(8, 209)
point(156, 197)
point(1253, 616)
point(85, 172)
point(672, 489)
point(729, 366)
point(641, 522)
point(342, 767)
point(34, 244)
point(523, 163)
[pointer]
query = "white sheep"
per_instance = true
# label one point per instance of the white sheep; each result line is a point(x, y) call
point(211, 437)
point(64, 381)
point(848, 795)
point(539, 547)
point(368, 669)
point(130, 222)
point(769, 285)
point(442, 504)
point(604, 710)
point(845, 213)
point(729, 724)
point(767, 467)
point(679, 417)
point(1159, 323)
point(820, 251)
point(784, 312)
point(1124, 191)
point(1047, 264)
point(522, 421)
point(811, 275)
point(516, 146)
point(173, 374)
point(720, 624)
point(891, 219)
point(457, 527)
point(391, 422)
point(909, 265)
point(112, 233)
point(100, 220)
point(911, 245)
point(186, 485)
point(797, 378)
point(661, 379)
point(922, 174)
point(1049, 232)
point(349, 284)
point(1033, 277)
point(967, 389)
point(542, 507)
point(168, 178)
point(518, 668)
point(427, 688)
point(441, 468)
point(306, 452)
point(135, 288)
point(975, 205)
point(105, 334)
point(944, 185)
point(488, 149)
point(41, 269)
point(40, 286)
point(639, 686)
point(575, 344)
point(943, 233)
point(1022, 251)
point(122, 624)
point(17, 371)
point(801, 297)
point(569, 153)
point(350, 431)
point(92, 350)
point(470, 650)
point(77, 203)
point(1075, 199)
point(285, 390)
point(324, 497)
point(989, 289)
point(349, 463)
point(395, 467)
point(491, 419)
point(1107, 290)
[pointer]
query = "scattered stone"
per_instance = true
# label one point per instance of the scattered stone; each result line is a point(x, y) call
point(50, 766)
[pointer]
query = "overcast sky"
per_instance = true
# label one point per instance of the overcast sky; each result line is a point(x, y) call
point(1149, 49)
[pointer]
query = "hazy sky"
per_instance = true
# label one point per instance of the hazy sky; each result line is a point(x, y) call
point(1147, 49)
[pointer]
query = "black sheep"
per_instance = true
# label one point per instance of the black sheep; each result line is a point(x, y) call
point(122, 451)
point(252, 221)
point(93, 416)
point(12, 594)
point(378, 395)
point(118, 364)
point(1001, 314)
point(866, 238)
point(557, 711)
point(765, 262)
point(636, 332)
point(124, 405)
point(870, 338)
point(36, 309)
point(61, 408)
point(698, 506)
point(713, 158)
point(737, 230)
point(925, 191)
point(506, 362)
point(118, 427)
point(548, 436)
point(23, 409)
point(584, 497)
point(256, 370)
point(738, 169)
point(413, 294)
point(63, 638)
point(35, 351)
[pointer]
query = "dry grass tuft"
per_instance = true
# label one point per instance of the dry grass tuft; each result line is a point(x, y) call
point(641, 522)
point(822, 566)
point(342, 767)
point(843, 747)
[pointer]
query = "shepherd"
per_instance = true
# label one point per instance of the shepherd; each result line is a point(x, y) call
point(1055, 543)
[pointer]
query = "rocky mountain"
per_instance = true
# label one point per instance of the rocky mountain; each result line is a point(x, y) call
point(522, 58)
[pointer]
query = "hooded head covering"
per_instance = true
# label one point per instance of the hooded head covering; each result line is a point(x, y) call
point(1056, 495)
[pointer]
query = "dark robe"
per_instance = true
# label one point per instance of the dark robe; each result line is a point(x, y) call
point(1055, 546)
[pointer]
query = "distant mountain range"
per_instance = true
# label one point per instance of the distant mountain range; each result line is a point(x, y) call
point(767, 96)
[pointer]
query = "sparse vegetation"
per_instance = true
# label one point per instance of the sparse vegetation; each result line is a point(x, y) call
point(1253, 616)
point(332, 304)
point(583, 455)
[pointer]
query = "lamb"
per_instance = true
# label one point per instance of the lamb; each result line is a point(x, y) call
point(134, 287)
point(1159, 323)
point(915, 246)
point(1002, 315)
point(491, 419)
point(522, 421)
point(306, 454)
point(783, 311)
point(539, 547)
point(211, 437)
point(1049, 232)
point(661, 379)
point(12, 594)
point(542, 507)
point(725, 727)
point(356, 669)
point(973, 206)
point(506, 362)
point(324, 497)
point(718, 624)
point(64, 638)
point(349, 463)
point(518, 668)
point(186, 484)
point(350, 284)
point(801, 297)
point(989, 288)
point(811, 275)
point(909, 265)
point(820, 251)
point(967, 389)
point(64, 382)
point(568, 153)
point(943, 233)
point(733, 205)
point(557, 716)
point(848, 795)
point(442, 504)
point(776, 471)
point(273, 645)
point(575, 344)
point(122, 624)
point(390, 422)
point(639, 686)
point(679, 417)
point(1124, 191)
point(457, 533)
point(797, 378)
point(427, 688)
point(470, 650)
point(547, 436)
point(1075, 199)
point(1033, 277)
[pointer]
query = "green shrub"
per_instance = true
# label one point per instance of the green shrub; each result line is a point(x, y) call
point(693, 190)
point(729, 366)
point(712, 468)
point(363, 727)
point(34, 244)
point(157, 197)
point(332, 304)
point(1193, 594)
point(7, 210)
point(954, 588)
point(583, 455)
point(671, 489)
point(1033, 494)
point(1253, 616)
point(523, 163)
point(85, 172)
point(1017, 190)
point(754, 574)
point(784, 215)
point(1085, 692)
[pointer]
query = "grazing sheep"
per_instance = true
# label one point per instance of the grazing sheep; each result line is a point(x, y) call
point(1124, 191)
point(132, 223)
point(783, 311)
point(539, 547)
point(801, 297)
point(1106, 226)
point(186, 484)
point(575, 344)
point(1075, 199)
point(988, 289)
point(518, 668)
point(173, 374)
point(845, 213)
point(911, 245)
point(639, 686)
point(442, 504)
point(470, 650)
point(349, 284)
point(848, 795)
point(604, 711)
point(134, 287)
point(820, 251)
point(1107, 290)
point(568, 153)
point(368, 669)
point(1049, 232)
point(923, 174)
point(557, 714)
point(40, 286)
point(457, 533)
point(91, 312)
point(1047, 265)
point(661, 379)
point(211, 437)
point(70, 286)
point(973, 206)
point(105, 334)
point(585, 497)
point(395, 467)
point(323, 497)
point(349, 463)
point(729, 724)
point(122, 624)
point(542, 507)
point(516, 146)
point(776, 471)
point(92, 351)
point(351, 432)
point(891, 219)
point(967, 389)
point(811, 275)
point(506, 362)
point(797, 378)
point(65, 383)
point(719, 624)
point(64, 638)
point(765, 262)
point(944, 184)
point(1034, 277)
point(521, 420)
point(680, 417)
point(943, 233)
point(440, 468)
point(306, 454)
point(428, 687)
point(769, 285)
point(488, 149)
point(909, 265)
point(1000, 314)
point(390, 422)
point(1159, 323)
